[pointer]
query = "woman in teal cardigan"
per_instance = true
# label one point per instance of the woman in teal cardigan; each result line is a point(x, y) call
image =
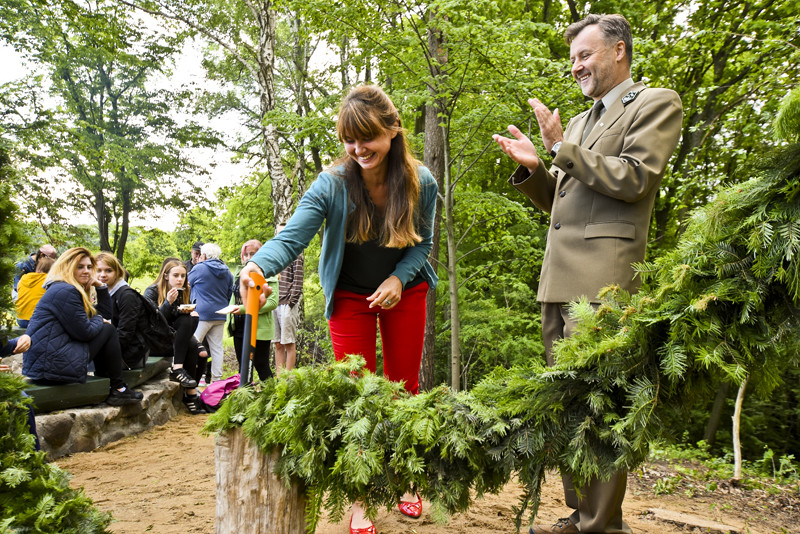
point(378, 205)
point(266, 326)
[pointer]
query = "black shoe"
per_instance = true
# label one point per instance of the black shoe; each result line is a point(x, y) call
point(194, 404)
point(183, 378)
point(120, 398)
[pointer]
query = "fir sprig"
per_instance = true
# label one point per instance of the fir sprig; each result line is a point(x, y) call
point(35, 496)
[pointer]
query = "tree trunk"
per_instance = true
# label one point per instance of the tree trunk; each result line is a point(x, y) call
point(716, 413)
point(281, 186)
point(452, 276)
point(433, 158)
point(250, 497)
point(737, 443)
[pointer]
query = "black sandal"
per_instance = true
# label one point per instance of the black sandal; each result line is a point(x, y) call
point(194, 404)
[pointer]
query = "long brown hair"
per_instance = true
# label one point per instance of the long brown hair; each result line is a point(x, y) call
point(63, 270)
point(365, 113)
point(162, 282)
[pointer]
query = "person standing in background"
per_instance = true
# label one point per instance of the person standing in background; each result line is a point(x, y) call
point(287, 314)
point(265, 330)
point(599, 192)
point(212, 286)
point(191, 262)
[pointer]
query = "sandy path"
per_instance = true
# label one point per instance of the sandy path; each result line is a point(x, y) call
point(162, 481)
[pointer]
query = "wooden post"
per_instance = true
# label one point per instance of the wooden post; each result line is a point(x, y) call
point(250, 497)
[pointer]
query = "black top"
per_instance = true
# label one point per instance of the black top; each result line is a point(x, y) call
point(365, 266)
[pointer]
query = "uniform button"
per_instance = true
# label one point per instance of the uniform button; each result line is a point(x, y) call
point(570, 164)
point(557, 226)
point(562, 193)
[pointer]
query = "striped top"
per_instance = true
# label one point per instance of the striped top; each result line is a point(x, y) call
point(291, 283)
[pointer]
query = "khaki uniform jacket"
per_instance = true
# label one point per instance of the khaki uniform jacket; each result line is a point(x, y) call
point(600, 194)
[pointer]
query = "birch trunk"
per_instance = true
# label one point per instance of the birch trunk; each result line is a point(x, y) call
point(737, 442)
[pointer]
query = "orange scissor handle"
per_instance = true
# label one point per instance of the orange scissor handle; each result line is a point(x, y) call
point(252, 304)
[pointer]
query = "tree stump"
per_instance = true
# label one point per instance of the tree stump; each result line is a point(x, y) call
point(250, 496)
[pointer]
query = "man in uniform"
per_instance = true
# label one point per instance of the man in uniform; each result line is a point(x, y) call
point(599, 190)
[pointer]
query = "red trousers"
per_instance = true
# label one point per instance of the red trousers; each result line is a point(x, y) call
point(402, 332)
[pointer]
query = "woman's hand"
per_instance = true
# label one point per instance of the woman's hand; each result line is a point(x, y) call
point(23, 343)
point(388, 293)
point(246, 283)
point(172, 294)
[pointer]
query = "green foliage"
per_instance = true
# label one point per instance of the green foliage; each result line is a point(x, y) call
point(146, 252)
point(35, 496)
point(787, 124)
point(12, 238)
point(109, 137)
point(351, 436)
point(723, 303)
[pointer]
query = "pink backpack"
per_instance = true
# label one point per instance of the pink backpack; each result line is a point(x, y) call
point(214, 394)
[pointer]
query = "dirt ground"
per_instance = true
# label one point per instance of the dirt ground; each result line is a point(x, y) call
point(162, 481)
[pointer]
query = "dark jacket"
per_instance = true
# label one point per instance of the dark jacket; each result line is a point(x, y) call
point(212, 286)
point(169, 311)
point(128, 318)
point(60, 332)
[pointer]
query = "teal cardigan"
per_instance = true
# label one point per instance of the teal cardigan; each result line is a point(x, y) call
point(326, 201)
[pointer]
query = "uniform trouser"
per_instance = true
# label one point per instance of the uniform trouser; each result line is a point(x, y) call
point(599, 507)
point(211, 334)
point(402, 332)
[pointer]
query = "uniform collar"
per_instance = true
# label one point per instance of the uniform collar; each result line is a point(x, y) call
point(616, 93)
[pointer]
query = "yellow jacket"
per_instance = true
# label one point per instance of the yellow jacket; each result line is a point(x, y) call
point(29, 291)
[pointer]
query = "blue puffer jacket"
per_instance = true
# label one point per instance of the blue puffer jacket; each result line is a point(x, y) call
point(60, 332)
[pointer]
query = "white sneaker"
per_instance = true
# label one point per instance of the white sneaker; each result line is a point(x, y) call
point(202, 383)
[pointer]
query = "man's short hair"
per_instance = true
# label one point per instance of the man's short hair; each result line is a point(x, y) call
point(211, 251)
point(198, 245)
point(614, 28)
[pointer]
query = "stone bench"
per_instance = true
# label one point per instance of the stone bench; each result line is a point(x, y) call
point(48, 398)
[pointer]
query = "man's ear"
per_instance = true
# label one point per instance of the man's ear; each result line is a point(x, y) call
point(619, 51)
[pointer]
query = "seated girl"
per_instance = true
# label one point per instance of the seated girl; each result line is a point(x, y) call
point(67, 331)
point(170, 293)
point(127, 312)
point(30, 289)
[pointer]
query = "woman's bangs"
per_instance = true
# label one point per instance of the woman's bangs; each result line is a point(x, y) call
point(354, 125)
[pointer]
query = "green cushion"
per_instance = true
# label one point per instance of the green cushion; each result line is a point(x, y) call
point(63, 396)
point(155, 364)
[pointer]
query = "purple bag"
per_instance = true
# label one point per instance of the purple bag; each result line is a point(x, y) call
point(214, 394)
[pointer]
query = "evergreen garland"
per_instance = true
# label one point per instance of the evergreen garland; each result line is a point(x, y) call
point(724, 303)
point(35, 496)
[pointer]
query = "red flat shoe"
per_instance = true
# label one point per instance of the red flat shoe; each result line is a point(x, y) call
point(366, 530)
point(411, 509)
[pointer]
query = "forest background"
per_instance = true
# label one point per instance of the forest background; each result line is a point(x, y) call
point(95, 130)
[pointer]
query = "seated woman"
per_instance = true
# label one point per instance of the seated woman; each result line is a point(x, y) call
point(30, 289)
point(168, 293)
point(67, 332)
point(266, 326)
point(127, 312)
